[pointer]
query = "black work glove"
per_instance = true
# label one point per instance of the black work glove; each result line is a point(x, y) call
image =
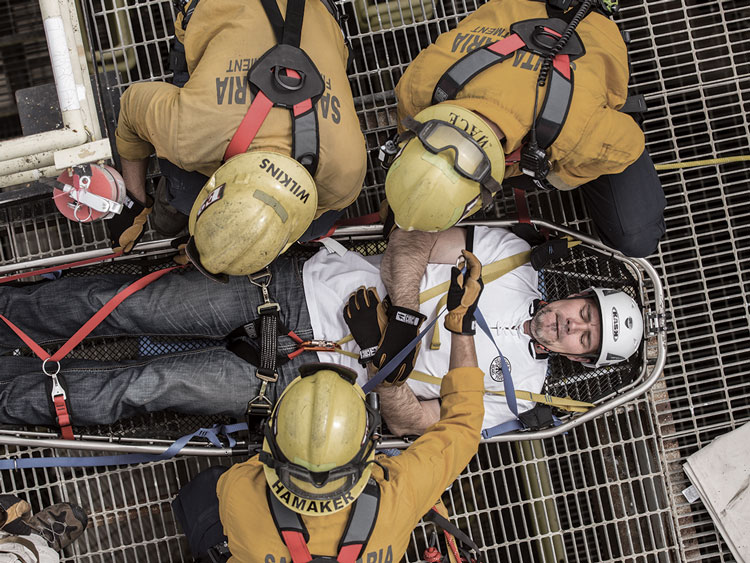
point(361, 316)
point(463, 296)
point(126, 228)
point(403, 326)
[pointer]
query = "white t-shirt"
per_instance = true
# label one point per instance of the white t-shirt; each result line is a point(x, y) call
point(330, 279)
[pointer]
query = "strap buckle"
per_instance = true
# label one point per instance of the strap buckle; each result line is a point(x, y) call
point(57, 389)
point(319, 345)
point(262, 279)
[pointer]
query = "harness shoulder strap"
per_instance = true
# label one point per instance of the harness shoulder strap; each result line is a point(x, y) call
point(362, 520)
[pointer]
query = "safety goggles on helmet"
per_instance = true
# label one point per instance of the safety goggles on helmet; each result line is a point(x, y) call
point(349, 473)
point(437, 136)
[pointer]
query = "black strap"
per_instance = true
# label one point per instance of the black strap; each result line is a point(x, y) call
point(555, 108)
point(269, 331)
point(274, 18)
point(445, 524)
point(470, 238)
point(305, 140)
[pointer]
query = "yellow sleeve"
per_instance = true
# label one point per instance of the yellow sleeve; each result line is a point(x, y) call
point(149, 121)
point(428, 466)
point(611, 143)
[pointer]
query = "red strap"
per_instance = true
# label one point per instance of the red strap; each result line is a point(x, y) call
point(104, 312)
point(60, 267)
point(256, 114)
point(302, 107)
point(61, 409)
point(297, 546)
point(562, 65)
point(63, 418)
point(521, 206)
point(513, 157)
point(349, 553)
point(369, 219)
point(508, 45)
point(254, 118)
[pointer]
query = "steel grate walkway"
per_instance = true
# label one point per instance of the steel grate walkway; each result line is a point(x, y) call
point(607, 491)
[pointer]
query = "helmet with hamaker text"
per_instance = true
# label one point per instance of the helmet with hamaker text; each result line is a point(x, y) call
point(253, 208)
point(320, 441)
point(448, 166)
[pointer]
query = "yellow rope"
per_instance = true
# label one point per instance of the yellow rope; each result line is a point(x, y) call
point(705, 162)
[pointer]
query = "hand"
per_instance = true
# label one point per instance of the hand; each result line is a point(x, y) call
point(463, 296)
point(402, 327)
point(361, 316)
point(126, 228)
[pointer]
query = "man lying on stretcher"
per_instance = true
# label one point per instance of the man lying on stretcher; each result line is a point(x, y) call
point(311, 295)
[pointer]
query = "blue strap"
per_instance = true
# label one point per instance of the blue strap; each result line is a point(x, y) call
point(510, 426)
point(211, 434)
point(383, 372)
point(510, 390)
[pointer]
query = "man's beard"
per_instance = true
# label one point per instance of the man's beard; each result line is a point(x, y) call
point(538, 321)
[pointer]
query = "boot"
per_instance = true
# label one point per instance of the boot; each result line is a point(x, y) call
point(59, 524)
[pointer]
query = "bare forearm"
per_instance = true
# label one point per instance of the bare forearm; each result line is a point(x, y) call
point(463, 352)
point(404, 413)
point(404, 265)
point(134, 174)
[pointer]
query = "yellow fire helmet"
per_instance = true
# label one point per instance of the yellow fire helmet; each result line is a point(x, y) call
point(449, 165)
point(319, 441)
point(253, 208)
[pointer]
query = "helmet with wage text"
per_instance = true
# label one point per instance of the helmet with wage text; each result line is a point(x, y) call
point(448, 166)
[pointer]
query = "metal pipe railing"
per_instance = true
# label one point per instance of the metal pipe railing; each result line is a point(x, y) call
point(33, 156)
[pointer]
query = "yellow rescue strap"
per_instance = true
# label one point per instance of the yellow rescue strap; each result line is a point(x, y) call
point(564, 403)
point(705, 162)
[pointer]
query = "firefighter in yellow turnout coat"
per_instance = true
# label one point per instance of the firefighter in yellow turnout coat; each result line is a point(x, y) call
point(190, 127)
point(316, 490)
point(598, 146)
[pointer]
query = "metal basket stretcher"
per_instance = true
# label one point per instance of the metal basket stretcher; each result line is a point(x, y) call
point(589, 263)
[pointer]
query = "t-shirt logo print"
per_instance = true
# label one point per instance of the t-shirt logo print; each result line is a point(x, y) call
point(496, 370)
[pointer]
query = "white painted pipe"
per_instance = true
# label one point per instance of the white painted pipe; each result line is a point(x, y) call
point(24, 163)
point(28, 176)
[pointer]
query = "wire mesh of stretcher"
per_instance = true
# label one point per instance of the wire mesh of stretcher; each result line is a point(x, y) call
point(610, 489)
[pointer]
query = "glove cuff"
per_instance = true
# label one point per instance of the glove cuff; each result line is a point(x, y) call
point(457, 324)
point(366, 355)
point(404, 315)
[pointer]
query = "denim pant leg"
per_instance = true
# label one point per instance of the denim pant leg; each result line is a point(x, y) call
point(180, 303)
point(628, 208)
point(210, 381)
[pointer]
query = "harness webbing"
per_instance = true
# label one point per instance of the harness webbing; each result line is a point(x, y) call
point(564, 403)
point(58, 395)
point(361, 523)
point(269, 89)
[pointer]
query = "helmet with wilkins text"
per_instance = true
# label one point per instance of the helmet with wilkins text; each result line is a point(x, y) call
point(449, 165)
point(253, 208)
point(320, 441)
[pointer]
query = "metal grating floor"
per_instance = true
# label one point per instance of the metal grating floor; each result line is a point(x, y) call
point(607, 491)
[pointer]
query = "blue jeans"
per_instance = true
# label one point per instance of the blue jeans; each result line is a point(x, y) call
point(205, 381)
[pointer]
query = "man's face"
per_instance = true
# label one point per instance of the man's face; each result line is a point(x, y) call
point(571, 327)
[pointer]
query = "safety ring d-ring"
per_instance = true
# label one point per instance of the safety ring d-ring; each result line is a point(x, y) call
point(44, 368)
point(75, 213)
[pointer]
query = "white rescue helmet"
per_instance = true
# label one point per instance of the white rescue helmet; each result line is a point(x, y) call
point(622, 326)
